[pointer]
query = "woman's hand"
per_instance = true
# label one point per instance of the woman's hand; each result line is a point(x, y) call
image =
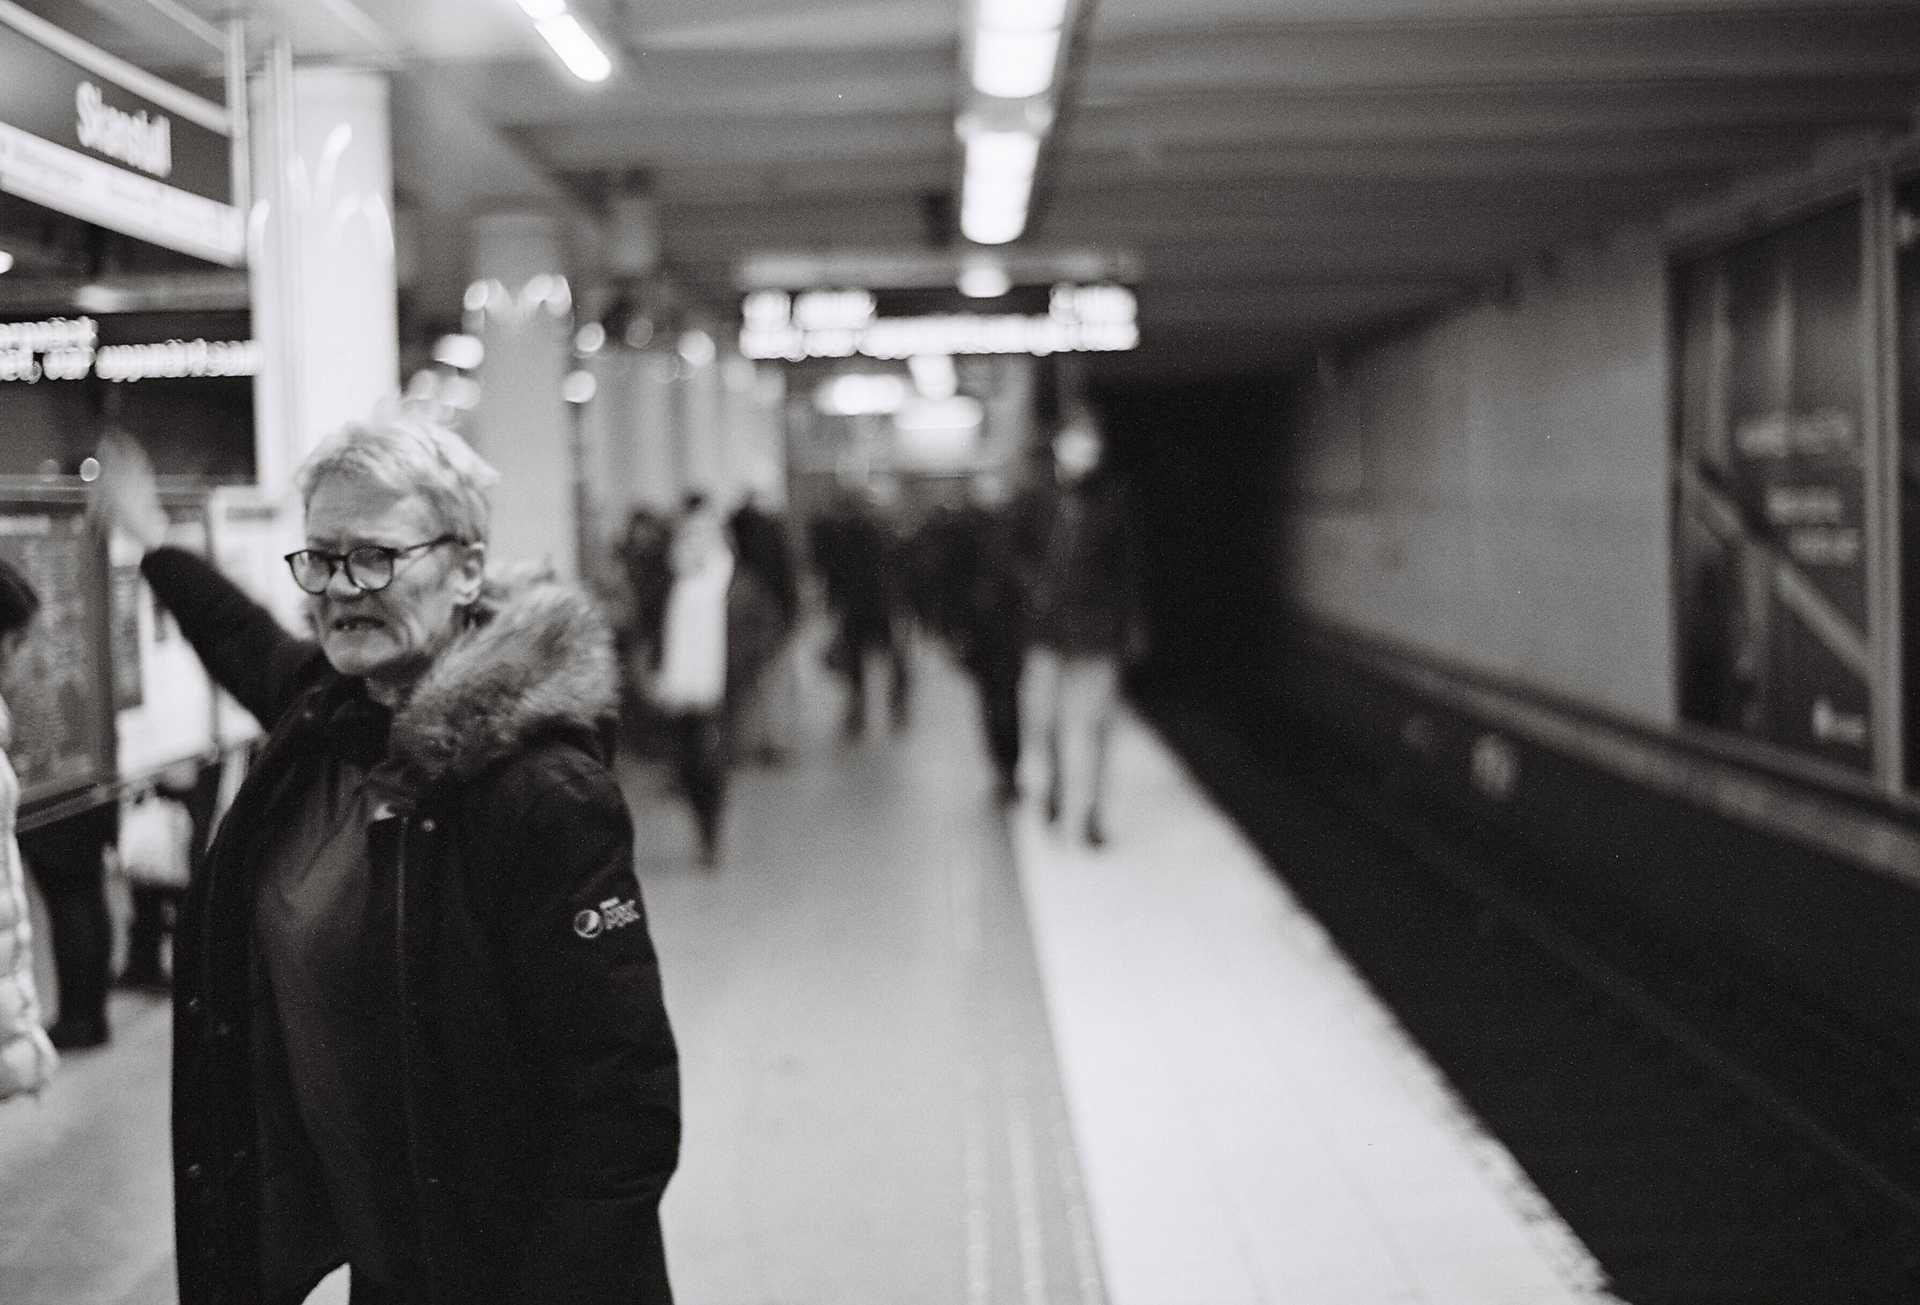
point(125, 496)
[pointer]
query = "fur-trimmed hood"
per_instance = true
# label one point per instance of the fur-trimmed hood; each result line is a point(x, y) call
point(537, 656)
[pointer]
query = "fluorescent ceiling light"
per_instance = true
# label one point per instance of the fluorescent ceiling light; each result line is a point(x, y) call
point(1014, 65)
point(998, 182)
point(584, 59)
point(934, 375)
point(465, 352)
point(984, 281)
point(1001, 160)
point(1018, 15)
point(96, 298)
point(960, 412)
point(6, 261)
point(541, 10)
point(986, 224)
point(860, 394)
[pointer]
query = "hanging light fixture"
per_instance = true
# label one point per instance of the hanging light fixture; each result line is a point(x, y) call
point(569, 38)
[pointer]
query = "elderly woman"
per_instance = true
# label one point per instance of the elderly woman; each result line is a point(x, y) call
point(418, 1019)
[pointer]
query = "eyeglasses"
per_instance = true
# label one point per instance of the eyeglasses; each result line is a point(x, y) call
point(370, 567)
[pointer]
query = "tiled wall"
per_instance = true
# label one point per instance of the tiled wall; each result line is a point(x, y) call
point(1494, 487)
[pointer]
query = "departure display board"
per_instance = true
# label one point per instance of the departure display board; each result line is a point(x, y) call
point(57, 690)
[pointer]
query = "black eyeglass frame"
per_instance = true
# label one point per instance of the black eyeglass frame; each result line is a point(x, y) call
point(336, 561)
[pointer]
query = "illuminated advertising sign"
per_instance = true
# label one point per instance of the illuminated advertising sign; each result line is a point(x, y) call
point(69, 349)
point(86, 134)
point(848, 324)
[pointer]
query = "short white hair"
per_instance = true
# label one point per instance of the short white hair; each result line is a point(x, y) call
point(408, 454)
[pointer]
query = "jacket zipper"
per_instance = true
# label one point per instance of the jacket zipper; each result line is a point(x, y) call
point(409, 1111)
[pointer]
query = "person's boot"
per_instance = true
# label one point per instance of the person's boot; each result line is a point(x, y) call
point(1096, 832)
point(144, 976)
point(77, 1033)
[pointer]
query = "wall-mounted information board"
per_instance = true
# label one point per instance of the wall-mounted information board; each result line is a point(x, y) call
point(162, 695)
point(58, 690)
point(1771, 465)
point(250, 535)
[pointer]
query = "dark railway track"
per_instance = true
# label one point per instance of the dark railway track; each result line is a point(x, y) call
point(1711, 1137)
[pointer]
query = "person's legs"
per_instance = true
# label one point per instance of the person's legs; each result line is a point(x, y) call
point(704, 776)
point(146, 931)
point(999, 681)
point(765, 723)
point(855, 643)
point(751, 728)
point(65, 859)
point(1100, 682)
point(1048, 693)
point(899, 657)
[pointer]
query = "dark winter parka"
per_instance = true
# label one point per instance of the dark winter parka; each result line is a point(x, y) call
point(507, 963)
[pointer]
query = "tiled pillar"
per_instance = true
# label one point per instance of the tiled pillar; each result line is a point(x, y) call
point(521, 424)
point(321, 254)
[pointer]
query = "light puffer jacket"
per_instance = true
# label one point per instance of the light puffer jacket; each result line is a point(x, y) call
point(27, 1059)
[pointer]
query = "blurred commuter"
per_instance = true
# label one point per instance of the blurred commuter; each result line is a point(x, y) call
point(978, 604)
point(858, 558)
point(27, 1057)
point(183, 799)
point(765, 715)
point(418, 1025)
point(68, 861)
point(643, 561)
point(690, 684)
point(1083, 618)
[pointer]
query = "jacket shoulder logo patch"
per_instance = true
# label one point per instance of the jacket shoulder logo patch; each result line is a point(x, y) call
point(614, 913)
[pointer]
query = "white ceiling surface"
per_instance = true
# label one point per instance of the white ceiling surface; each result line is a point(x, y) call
point(1290, 172)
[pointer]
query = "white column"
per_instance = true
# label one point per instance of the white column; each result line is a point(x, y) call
point(702, 429)
point(521, 424)
point(321, 255)
point(755, 408)
point(653, 427)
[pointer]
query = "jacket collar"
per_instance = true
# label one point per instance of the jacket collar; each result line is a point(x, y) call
point(536, 657)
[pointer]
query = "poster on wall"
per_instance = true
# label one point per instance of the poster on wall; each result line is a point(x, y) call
point(62, 739)
point(171, 717)
point(1771, 560)
point(1795, 378)
point(249, 537)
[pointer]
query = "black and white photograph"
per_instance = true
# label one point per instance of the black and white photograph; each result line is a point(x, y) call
point(959, 652)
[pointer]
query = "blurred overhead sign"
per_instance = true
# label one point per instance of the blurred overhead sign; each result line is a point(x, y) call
point(848, 323)
point(70, 349)
point(86, 134)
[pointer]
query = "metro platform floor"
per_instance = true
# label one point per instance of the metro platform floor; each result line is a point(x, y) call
point(939, 1052)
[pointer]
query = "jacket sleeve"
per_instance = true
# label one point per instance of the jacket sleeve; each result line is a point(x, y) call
point(27, 1059)
point(584, 972)
point(244, 648)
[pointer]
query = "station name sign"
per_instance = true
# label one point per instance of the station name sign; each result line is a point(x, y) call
point(69, 349)
point(87, 134)
point(847, 324)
